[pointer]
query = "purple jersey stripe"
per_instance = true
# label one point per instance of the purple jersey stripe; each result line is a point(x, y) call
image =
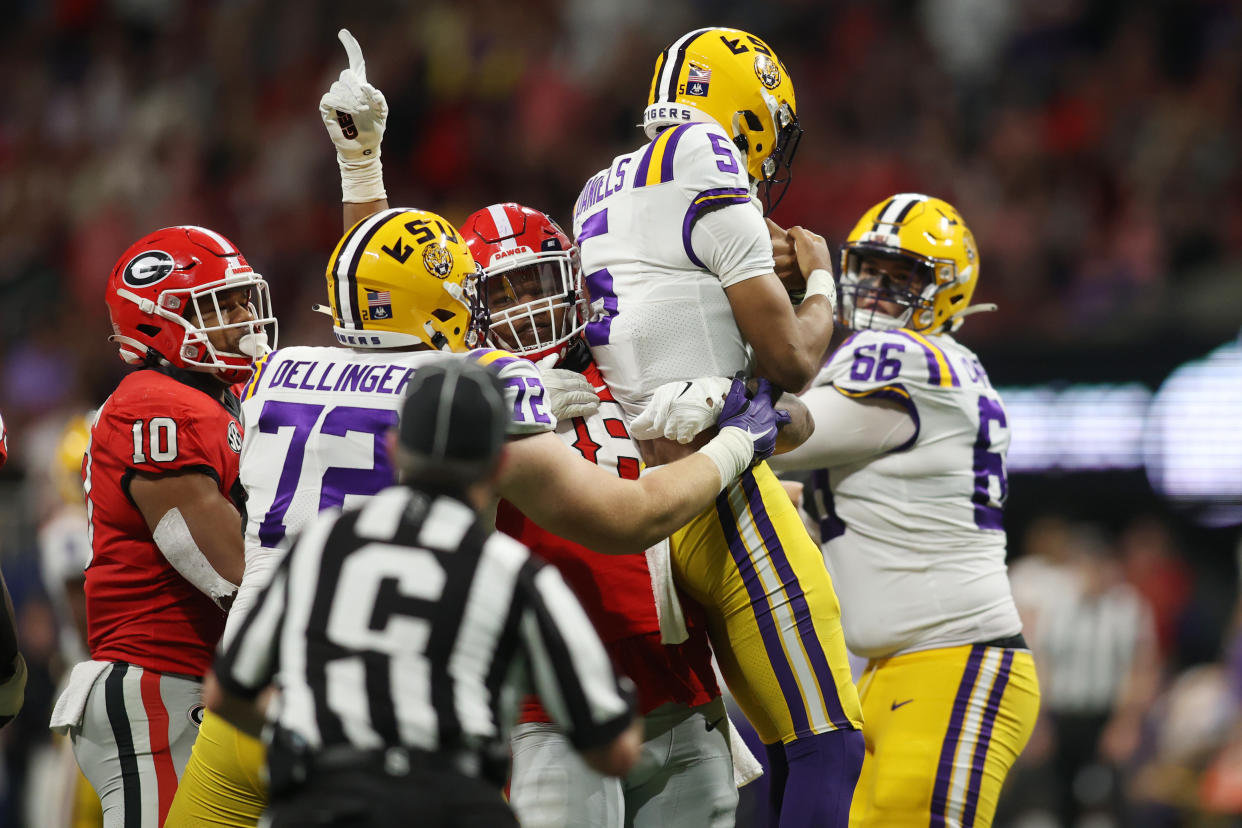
point(763, 614)
point(797, 601)
point(704, 203)
point(596, 225)
point(666, 163)
point(640, 174)
point(933, 367)
point(599, 285)
point(985, 739)
point(944, 772)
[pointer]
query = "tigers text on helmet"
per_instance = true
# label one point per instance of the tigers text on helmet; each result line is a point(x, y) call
point(164, 297)
point(404, 277)
point(913, 252)
point(733, 78)
point(532, 284)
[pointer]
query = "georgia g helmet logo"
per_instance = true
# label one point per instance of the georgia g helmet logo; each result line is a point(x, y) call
point(147, 268)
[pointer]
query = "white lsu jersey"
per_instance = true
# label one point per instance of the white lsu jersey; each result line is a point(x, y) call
point(658, 252)
point(64, 552)
point(315, 421)
point(913, 538)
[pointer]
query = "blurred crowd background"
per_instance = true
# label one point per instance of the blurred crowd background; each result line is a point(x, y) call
point(1095, 147)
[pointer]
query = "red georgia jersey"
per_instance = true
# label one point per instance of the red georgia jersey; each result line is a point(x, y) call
point(615, 590)
point(139, 609)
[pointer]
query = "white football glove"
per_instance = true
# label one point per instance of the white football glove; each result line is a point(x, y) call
point(570, 394)
point(681, 410)
point(355, 114)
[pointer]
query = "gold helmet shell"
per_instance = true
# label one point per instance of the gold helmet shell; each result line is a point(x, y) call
point(932, 237)
point(734, 79)
point(404, 277)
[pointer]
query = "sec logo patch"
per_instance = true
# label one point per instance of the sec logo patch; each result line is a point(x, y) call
point(235, 437)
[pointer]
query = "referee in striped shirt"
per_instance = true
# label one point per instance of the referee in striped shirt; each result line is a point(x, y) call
point(389, 650)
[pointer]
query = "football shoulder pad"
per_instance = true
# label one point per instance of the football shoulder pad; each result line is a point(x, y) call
point(871, 361)
point(524, 390)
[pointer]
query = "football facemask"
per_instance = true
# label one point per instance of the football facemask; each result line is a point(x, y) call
point(532, 287)
point(923, 237)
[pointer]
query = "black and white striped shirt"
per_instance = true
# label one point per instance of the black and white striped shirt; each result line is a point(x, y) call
point(406, 624)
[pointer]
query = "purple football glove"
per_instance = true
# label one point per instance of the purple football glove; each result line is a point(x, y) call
point(754, 415)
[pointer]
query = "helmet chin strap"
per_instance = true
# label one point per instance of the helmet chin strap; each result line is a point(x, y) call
point(958, 319)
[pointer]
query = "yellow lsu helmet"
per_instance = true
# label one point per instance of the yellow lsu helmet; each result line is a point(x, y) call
point(67, 461)
point(403, 277)
point(735, 79)
point(923, 261)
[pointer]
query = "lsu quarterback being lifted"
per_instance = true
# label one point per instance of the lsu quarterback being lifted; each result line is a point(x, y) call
point(536, 306)
point(910, 445)
point(679, 263)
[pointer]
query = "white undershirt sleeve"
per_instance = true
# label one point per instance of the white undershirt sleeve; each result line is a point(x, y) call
point(847, 430)
point(733, 242)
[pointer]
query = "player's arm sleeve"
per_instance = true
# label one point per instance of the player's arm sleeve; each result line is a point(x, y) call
point(723, 228)
point(524, 391)
point(568, 666)
point(248, 663)
point(848, 430)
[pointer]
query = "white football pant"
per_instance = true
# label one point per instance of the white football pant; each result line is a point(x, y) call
point(684, 776)
point(134, 740)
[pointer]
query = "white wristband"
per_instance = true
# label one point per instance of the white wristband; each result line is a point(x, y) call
point(362, 181)
point(821, 283)
point(732, 451)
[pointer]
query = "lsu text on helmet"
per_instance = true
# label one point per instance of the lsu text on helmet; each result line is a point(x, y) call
point(532, 283)
point(404, 277)
point(172, 290)
point(735, 79)
point(914, 255)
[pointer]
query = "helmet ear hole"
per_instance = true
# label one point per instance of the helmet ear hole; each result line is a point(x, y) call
point(148, 330)
point(442, 314)
point(752, 120)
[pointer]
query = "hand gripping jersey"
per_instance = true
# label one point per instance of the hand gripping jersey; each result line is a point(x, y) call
point(139, 609)
point(658, 251)
point(615, 590)
point(319, 418)
point(914, 538)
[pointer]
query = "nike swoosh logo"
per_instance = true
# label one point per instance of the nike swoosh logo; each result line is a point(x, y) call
point(713, 725)
point(898, 704)
point(684, 390)
point(756, 436)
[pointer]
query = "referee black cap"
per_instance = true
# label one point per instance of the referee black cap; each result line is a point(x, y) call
point(454, 416)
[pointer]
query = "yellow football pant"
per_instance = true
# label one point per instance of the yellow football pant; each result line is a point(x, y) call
point(943, 727)
point(773, 616)
point(87, 809)
point(224, 781)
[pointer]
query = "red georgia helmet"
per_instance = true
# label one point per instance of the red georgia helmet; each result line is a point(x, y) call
point(532, 285)
point(153, 299)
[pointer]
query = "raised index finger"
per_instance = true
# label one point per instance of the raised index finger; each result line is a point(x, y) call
point(354, 52)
